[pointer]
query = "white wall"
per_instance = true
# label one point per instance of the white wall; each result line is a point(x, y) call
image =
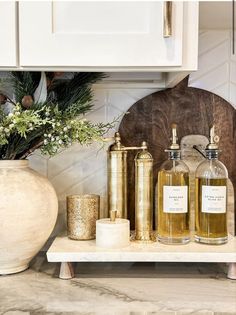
point(83, 170)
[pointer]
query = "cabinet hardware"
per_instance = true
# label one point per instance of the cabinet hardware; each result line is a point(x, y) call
point(233, 27)
point(167, 27)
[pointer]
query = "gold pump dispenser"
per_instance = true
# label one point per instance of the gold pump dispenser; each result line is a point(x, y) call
point(174, 139)
point(213, 140)
point(143, 194)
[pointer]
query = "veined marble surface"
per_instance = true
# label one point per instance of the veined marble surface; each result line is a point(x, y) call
point(119, 289)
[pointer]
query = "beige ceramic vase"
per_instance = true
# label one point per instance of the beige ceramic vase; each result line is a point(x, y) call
point(28, 212)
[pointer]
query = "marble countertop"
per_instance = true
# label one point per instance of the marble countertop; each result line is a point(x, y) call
point(119, 289)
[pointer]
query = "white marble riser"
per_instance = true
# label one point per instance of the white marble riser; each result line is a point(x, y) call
point(66, 250)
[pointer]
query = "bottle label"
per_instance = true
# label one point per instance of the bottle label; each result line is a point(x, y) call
point(213, 199)
point(175, 199)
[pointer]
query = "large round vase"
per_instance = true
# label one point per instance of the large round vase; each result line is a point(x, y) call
point(28, 212)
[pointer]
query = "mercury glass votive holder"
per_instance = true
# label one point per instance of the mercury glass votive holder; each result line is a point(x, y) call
point(82, 213)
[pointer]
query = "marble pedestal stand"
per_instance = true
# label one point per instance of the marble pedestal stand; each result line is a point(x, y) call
point(68, 251)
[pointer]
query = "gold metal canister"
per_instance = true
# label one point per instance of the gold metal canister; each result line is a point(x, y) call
point(117, 178)
point(143, 194)
point(82, 213)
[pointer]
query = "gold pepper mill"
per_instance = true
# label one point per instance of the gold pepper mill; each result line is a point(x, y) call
point(143, 194)
point(117, 176)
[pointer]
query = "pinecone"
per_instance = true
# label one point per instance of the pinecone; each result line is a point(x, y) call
point(27, 101)
point(58, 74)
point(3, 99)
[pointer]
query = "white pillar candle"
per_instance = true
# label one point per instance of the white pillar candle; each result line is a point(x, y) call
point(112, 234)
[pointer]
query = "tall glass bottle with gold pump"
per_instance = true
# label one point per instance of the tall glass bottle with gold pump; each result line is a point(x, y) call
point(211, 196)
point(173, 197)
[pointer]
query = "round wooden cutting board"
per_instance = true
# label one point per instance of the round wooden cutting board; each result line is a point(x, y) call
point(193, 110)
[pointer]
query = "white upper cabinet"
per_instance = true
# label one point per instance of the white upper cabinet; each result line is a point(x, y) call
point(106, 35)
point(8, 51)
point(110, 36)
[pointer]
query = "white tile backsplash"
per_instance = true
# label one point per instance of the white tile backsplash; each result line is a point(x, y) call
point(233, 71)
point(217, 65)
point(209, 40)
point(83, 169)
point(211, 80)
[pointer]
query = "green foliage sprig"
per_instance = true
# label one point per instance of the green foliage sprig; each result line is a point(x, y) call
point(53, 124)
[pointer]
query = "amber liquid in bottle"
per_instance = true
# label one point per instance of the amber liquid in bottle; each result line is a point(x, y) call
point(173, 224)
point(211, 228)
point(211, 198)
point(172, 227)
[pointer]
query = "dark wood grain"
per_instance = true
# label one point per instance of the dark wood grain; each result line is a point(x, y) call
point(193, 110)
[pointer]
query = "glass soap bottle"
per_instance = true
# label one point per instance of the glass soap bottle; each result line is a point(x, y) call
point(173, 197)
point(211, 196)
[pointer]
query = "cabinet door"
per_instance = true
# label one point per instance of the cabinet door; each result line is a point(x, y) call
point(98, 34)
point(8, 34)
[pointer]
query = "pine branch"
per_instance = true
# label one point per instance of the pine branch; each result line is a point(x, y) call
point(36, 146)
point(78, 88)
point(24, 83)
point(26, 143)
point(18, 145)
point(67, 99)
point(10, 101)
